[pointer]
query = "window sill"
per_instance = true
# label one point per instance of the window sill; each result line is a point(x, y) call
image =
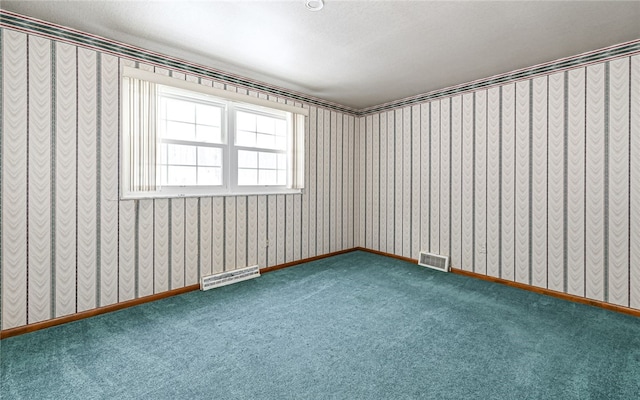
point(143, 196)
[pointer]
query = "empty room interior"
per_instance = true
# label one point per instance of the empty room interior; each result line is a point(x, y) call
point(320, 199)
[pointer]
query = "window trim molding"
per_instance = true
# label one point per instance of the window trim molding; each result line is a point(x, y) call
point(298, 115)
point(253, 191)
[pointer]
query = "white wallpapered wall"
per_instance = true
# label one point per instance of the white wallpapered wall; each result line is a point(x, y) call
point(69, 244)
point(536, 181)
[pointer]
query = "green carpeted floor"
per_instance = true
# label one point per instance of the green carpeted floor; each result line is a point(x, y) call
point(354, 326)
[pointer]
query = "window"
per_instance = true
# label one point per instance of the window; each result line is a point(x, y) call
point(190, 139)
point(261, 142)
point(184, 139)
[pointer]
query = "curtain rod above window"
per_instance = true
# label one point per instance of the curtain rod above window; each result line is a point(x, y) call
point(224, 94)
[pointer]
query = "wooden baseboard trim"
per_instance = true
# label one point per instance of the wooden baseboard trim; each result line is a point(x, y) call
point(305, 260)
point(382, 253)
point(547, 292)
point(552, 293)
point(20, 330)
point(7, 333)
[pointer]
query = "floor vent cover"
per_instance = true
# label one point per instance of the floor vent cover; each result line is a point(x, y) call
point(229, 277)
point(434, 261)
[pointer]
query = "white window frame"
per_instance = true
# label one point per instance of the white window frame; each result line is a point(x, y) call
point(234, 148)
point(194, 190)
point(232, 102)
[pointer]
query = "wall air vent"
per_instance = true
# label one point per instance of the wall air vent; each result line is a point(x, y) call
point(229, 277)
point(434, 261)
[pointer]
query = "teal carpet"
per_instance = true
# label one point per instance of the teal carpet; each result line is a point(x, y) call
point(354, 326)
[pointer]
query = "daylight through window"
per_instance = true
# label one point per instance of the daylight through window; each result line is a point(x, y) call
point(185, 139)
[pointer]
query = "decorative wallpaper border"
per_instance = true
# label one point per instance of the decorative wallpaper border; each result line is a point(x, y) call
point(584, 59)
point(68, 35)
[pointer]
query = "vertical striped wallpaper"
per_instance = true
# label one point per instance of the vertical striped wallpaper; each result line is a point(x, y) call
point(535, 181)
point(69, 244)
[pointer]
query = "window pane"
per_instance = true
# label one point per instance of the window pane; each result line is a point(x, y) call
point(180, 131)
point(181, 155)
point(210, 156)
point(245, 121)
point(282, 177)
point(208, 115)
point(247, 177)
point(163, 153)
point(247, 159)
point(162, 128)
point(261, 168)
point(162, 107)
point(281, 143)
point(267, 160)
point(262, 131)
point(208, 134)
point(162, 171)
point(181, 176)
point(266, 124)
point(246, 138)
point(282, 161)
point(209, 176)
point(266, 141)
point(180, 110)
point(268, 177)
point(281, 127)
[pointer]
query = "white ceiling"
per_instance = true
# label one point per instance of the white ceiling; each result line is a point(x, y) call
point(355, 53)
